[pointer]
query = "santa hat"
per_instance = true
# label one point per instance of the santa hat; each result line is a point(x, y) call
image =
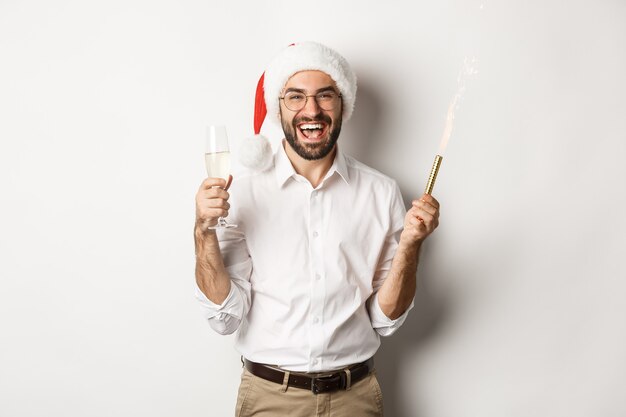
point(256, 152)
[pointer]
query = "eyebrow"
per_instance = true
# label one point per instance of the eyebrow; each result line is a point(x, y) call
point(301, 90)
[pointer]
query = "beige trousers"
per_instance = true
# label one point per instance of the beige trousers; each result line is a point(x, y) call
point(261, 398)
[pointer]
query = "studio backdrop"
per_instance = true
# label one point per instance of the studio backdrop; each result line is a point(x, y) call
point(103, 109)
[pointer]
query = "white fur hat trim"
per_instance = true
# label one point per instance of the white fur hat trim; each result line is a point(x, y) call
point(309, 56)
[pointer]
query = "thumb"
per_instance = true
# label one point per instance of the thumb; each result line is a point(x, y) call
point(230, 180)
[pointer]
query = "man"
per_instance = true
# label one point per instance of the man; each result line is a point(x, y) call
point(324, 259)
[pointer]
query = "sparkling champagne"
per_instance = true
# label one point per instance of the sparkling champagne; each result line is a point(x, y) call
point(217, 164)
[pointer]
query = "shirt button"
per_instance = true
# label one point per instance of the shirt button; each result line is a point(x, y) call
point(314, 234)
point(314, 362)
point(315, 320)
point(318, 277)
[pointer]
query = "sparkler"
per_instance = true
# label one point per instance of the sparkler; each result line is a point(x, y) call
point(467, 70)
point(433, 174)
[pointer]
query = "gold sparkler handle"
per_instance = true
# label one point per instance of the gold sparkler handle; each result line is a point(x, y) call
point(433, 174)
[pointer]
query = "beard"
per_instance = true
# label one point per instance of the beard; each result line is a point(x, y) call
point(312, 151)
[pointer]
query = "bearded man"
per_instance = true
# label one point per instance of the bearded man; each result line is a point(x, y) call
point(324, 259)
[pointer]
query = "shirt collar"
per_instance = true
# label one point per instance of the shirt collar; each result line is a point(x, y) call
point(340, 166)
point(284, 170)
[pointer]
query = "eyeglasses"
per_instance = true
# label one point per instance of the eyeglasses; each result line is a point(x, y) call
point(296, 101)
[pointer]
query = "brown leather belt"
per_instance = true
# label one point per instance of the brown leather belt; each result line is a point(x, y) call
point(317, 383)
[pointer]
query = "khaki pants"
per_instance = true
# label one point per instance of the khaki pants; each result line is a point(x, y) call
point(260, 398)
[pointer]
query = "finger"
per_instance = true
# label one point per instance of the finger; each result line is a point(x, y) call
point(430, 221)
point(430, 200)
point(213, 213)
point(230, 181)
point(217, 203)
point(213, 182)
point(425, 206)
point(417, 223)
point(214, 193)
point(426, 212)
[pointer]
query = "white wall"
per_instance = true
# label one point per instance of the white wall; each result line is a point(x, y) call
point(102, 114)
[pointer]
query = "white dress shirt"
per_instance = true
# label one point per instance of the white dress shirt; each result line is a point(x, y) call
point(306, 264)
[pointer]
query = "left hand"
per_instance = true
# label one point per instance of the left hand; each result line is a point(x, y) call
point(421, 220)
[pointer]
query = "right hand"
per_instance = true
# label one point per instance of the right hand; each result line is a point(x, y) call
point(212, 201)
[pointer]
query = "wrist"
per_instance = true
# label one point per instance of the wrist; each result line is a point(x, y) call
point(201, 230)
point(409, 245)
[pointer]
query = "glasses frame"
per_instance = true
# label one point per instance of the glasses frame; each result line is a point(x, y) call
point(306, 99)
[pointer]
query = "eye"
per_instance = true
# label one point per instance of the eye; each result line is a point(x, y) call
point(294, 97)
point(326, 96)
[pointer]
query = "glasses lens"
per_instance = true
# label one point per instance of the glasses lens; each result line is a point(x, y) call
point(326, 99)
point(295, 101)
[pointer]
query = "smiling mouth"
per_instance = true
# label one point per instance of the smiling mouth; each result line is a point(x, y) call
point(312, 131)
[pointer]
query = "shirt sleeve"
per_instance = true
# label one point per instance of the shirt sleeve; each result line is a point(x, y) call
point(225, 318)
point(383, 325)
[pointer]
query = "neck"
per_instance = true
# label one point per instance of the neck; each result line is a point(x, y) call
point(313, 171)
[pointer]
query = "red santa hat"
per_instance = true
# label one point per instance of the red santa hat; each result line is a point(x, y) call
point(256, 152)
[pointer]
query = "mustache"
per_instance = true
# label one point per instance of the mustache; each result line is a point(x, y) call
point(304, 119)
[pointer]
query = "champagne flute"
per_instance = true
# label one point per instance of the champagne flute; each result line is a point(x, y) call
point(217, 159)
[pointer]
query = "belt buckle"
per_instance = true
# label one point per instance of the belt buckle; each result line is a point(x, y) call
point(315, 389)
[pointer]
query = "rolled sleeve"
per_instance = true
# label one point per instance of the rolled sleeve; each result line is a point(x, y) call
point(225, 318)
point(383, 325)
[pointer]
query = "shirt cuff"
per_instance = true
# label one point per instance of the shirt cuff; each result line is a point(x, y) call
point(229, 307)
point(383, 324)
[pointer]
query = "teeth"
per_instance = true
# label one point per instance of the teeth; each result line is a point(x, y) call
point(311, 126)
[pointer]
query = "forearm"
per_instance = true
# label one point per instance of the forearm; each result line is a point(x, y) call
point(398, 290)
point(211, 275)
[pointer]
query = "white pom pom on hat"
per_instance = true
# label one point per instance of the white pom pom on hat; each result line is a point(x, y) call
point(256, 152)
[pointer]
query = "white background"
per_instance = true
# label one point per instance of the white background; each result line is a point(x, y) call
point(103, 106)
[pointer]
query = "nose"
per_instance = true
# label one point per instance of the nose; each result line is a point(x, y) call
point(311, 107)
